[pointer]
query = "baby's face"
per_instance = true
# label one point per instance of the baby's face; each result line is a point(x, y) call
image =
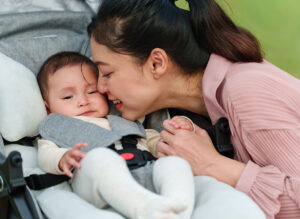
point(73, 92)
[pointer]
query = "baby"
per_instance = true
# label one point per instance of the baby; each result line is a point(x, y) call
point(68, 83)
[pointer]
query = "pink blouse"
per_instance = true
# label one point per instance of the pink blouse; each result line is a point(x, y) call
point(262, 104)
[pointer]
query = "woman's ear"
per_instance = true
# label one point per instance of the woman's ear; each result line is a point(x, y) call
point(158, 61)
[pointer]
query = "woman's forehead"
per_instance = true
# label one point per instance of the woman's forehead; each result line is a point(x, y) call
point(103, 56)
point(100, 53)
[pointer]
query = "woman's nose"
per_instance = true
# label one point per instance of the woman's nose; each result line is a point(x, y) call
point(102, 85)
point(102, 88)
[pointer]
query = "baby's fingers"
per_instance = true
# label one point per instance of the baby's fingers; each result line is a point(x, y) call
point(72, 162)
point(159, 155)
point(174, 124)
point(186, 126)
point(182, 122)
point(77, 154)
point(80, 145)
point(67, 170)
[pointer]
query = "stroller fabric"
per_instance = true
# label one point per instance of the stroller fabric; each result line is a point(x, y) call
point(30, 32)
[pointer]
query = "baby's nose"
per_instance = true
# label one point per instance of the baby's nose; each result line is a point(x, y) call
point(83, 101)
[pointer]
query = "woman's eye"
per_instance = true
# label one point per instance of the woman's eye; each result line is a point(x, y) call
point(67, 97)
point(106, 75)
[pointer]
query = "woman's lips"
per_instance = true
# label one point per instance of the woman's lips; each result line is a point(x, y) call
point(118, 105)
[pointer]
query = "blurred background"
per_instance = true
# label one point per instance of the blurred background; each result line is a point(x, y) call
point(276, 24)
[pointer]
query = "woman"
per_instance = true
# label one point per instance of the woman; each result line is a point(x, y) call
point(154, 55)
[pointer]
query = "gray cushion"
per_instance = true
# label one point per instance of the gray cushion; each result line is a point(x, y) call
point(30, 38)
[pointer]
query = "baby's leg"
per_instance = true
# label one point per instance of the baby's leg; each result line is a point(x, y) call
point(84, 182)
point(173, 178)
point(104, 173)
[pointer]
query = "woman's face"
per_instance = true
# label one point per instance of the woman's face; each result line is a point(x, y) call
point(130, 86)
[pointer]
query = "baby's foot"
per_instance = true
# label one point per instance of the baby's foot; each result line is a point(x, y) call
point(161, 208)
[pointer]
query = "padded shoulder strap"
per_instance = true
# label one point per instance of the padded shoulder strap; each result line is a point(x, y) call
point(66, 131)
point(125, 127)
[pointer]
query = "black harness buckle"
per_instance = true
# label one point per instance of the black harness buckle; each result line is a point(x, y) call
point(134, 157)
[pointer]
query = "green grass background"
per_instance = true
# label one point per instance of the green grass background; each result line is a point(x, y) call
point(276, 24)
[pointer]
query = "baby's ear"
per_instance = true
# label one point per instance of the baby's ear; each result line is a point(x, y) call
point(47, 107)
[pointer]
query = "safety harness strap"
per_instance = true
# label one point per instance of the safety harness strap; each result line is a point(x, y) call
point(134, 157)
point(41, 181)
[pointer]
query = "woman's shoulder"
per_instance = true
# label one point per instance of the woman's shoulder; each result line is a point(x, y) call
point(253, 78)
point(255, 92)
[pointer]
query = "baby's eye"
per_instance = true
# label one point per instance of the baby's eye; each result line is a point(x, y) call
point(67, 98)
point(92, 92)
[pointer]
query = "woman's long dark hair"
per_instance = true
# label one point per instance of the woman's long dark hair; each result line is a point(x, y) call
point(216, 33)
point(136, 27)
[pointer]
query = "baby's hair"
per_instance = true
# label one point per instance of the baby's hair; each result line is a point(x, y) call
point(58, 61)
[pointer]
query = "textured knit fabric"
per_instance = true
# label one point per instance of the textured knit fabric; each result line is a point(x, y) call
point(262, 104)
point(66, 131)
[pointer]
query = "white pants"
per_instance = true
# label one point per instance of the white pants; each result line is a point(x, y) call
point(213, 200)
point(104, 178)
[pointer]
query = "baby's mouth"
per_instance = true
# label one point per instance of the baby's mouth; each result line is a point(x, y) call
point(86, 113)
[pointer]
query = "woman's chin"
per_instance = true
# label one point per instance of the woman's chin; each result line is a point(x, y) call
point(130, 117)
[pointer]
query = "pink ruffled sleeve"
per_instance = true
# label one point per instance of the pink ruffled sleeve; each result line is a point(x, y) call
point(274, 187)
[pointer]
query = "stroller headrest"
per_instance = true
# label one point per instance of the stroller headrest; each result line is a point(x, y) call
point(28, 39)
point(21, 103)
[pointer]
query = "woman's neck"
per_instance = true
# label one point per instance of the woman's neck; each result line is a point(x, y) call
point(185, 92)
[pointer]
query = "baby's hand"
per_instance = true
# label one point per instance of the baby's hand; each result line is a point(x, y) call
point(182, 122)
point(71, 159)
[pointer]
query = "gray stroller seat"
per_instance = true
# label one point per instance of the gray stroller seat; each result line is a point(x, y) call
point(30, 33)
point(28, 38)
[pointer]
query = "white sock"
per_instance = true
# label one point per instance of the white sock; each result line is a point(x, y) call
point(173, 178)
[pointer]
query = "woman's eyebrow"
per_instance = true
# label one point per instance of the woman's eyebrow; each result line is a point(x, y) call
point(100, 63)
